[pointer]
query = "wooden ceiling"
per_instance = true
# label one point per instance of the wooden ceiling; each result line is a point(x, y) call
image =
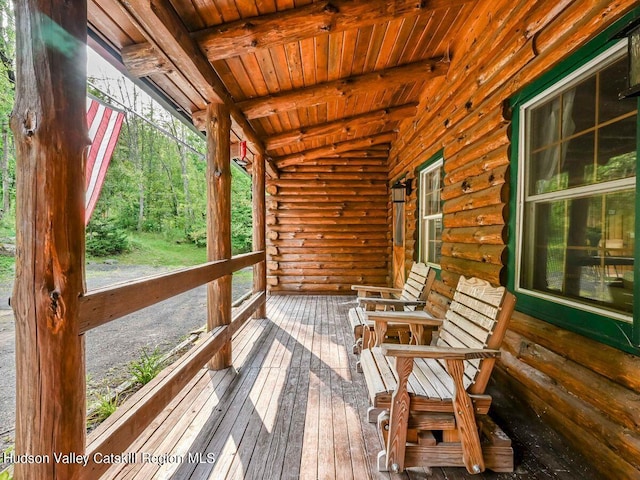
point(303, 79)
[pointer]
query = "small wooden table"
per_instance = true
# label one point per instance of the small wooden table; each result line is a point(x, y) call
point(417, 321)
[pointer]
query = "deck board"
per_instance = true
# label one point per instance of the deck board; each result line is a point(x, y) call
point(293, 406)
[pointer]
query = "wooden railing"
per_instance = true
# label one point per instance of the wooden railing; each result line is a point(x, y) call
point(106, 304)
point(101, 306)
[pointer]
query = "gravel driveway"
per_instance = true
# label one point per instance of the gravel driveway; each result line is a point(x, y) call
point(110, 347)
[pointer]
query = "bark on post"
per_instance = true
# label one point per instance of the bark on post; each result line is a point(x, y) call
point(49, 125)
point(259, 270)
point(218, 130)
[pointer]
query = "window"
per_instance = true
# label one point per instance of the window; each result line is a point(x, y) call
point(431, 213)
point(577, 191)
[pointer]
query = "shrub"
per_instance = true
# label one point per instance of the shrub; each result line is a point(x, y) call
point(105, 238)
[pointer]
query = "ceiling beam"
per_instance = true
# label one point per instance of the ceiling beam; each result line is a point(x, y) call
point(345, 87)
point(333, 149)
point(321, 18)
point(165, 31)
point(379, 118)
point(143, 59)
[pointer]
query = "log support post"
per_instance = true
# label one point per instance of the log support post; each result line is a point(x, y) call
point(218, 129)
point(258, 192)
point(50, 130)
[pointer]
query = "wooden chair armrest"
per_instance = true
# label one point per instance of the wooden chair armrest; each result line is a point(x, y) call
point(440, 353)
point(373, 289)
point(417, 317)
point(390, 302)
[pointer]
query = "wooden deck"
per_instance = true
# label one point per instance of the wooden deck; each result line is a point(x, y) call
point(294, 407)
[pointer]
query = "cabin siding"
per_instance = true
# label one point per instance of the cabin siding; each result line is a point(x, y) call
point(327, 226)
point(586, 390)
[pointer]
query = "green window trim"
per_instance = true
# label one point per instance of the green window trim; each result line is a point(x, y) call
point(437, 157)
point(616, 333)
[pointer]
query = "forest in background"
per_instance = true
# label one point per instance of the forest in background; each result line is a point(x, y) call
point(156, 182)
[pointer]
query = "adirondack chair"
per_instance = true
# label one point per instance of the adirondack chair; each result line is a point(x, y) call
point(431, 397)
point(413, 294)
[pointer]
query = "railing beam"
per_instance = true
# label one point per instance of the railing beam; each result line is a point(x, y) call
point(110, 303)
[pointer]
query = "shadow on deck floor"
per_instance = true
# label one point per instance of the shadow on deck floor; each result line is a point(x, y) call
point(294, 407)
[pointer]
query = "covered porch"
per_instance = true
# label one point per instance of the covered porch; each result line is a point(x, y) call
point(294, 406)
point(338, 102)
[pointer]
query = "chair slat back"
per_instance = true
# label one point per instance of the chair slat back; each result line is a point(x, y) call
point(472, 321)
point(418, 284)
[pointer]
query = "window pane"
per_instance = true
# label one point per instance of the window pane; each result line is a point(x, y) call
point(431, 186)
point(579, 159)
point(579, 108)
point(431, 213)
point(617, 150)
point(434, 240)
point(582, 249)
point(545, 124)
point(613, 80)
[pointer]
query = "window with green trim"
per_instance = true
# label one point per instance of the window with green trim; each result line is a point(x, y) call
point(577, 190)
point(430, 186)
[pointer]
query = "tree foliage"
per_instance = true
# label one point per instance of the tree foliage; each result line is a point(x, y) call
point(156, 181)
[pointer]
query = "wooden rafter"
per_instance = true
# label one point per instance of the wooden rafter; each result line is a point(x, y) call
point(166, 32)
point(378, 118)
point(336, 148)
point(321, 18)
point(344, 87)
point(144, 59)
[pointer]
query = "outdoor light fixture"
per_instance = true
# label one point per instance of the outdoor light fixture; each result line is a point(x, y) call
point(400, 190)
point(632, 32)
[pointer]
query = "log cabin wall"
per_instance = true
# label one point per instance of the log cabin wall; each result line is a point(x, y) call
point(587, 390)
point(327, 223)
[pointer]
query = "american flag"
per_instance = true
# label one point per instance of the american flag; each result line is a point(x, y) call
point(104, 127)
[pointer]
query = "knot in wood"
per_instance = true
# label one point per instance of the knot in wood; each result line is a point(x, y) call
point(468, 105)
point(217, 173)
point(326, 27)
point(254, 43)
point(29, 123)
point(248, 26)
point(330, 8)
point(54, 296)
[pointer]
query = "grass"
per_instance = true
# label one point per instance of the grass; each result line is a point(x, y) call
point(106, 405)
point(156, 249)
point(7, 268)
point(147, 366)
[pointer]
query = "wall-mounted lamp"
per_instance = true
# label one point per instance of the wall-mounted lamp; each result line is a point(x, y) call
point(632, 32)
point(401, 190)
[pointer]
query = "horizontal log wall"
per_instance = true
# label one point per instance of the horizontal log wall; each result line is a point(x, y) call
point(328, 226)
point(585, 389)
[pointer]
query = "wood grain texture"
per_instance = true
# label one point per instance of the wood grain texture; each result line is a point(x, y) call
point(316, 94)
point(399, 413)
point(259, 227)
point(465, 420)
point(50, 132)
point(100, 306)
point(293, 25)
point(219, 223)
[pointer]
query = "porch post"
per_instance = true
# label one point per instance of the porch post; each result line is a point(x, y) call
point(260, 269)
point(218, 129)
point(49, 125)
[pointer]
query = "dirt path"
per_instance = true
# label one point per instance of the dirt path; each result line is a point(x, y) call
point(110, 347)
